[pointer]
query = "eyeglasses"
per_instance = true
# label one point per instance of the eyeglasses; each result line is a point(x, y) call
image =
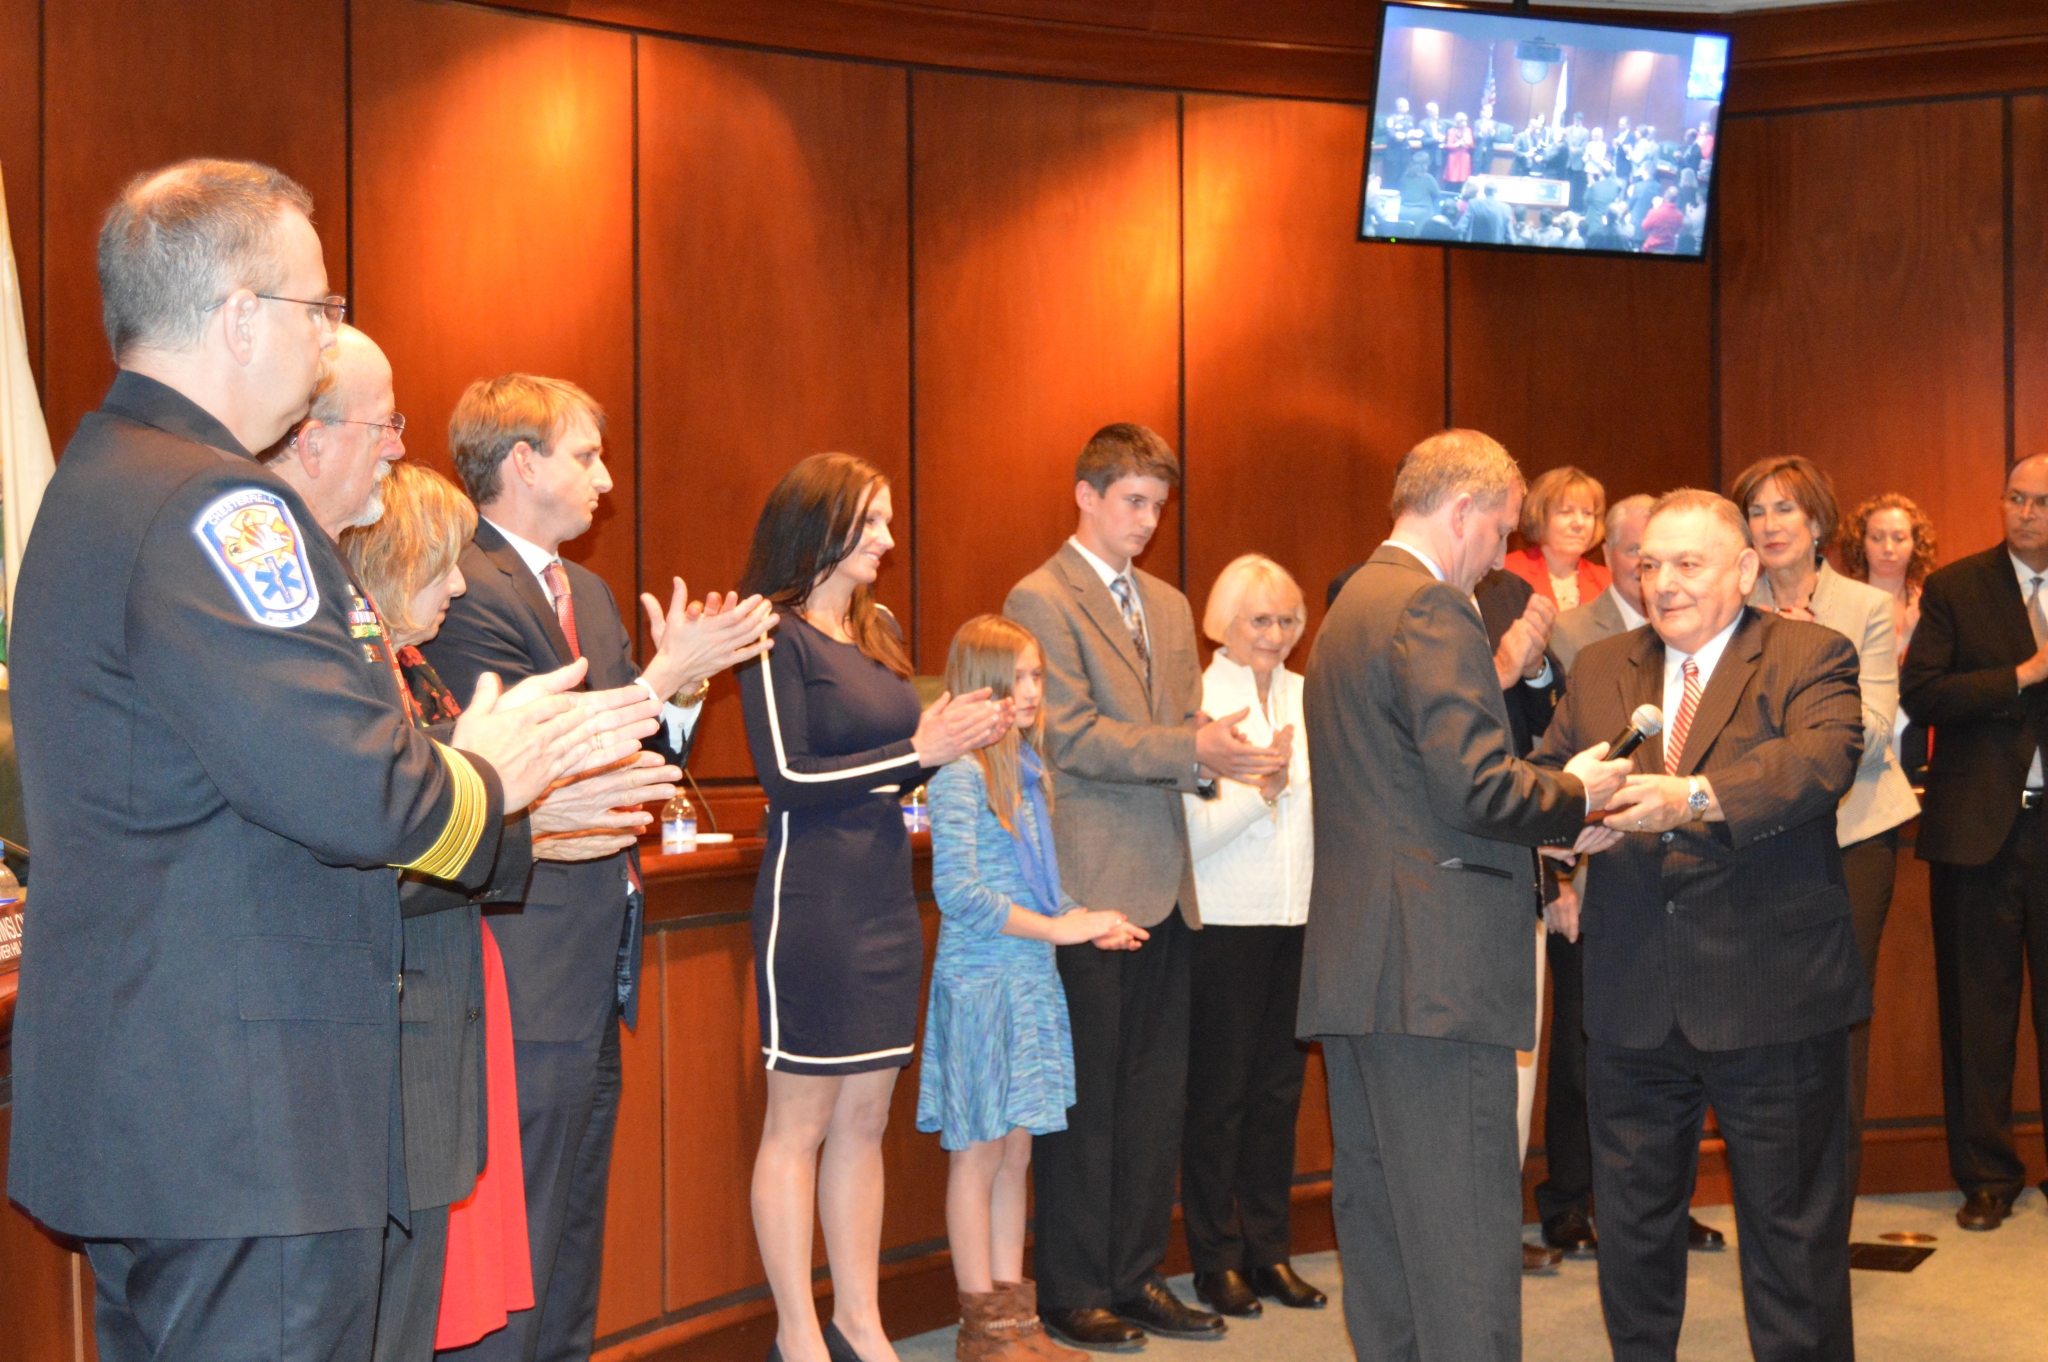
point(1265, 624)
point(334, 307)
point(396, 425)
point(2022, 503)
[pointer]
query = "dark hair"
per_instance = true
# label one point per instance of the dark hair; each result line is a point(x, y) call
point(811, 522)
point(495, 414)
point(1805, 483)
point(1125, 450)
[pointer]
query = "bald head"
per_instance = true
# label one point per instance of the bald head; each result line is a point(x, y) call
point(340, 453)
point(2025, 506)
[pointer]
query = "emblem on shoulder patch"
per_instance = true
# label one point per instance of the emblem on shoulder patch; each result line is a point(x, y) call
point(253, 540)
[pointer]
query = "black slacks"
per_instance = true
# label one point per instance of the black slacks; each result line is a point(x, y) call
point(1567, 1147)
point(1870, 867)
point(1426, 1192)
point(409, 1303)
point(568, 1113)
point(1245, 1071)
point(1104, 1185)
point(1990, 932)
point(297, 1298)
point(1784, 1112)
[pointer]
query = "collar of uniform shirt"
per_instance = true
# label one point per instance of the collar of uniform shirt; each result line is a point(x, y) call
point(1708, 657)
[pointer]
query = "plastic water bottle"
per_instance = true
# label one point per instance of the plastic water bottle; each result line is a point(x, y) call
point(11, 893)
point(917, 814)
point(678, 826)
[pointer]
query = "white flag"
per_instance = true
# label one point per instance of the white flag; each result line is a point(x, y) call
point(1564, 71)
point(25, 460)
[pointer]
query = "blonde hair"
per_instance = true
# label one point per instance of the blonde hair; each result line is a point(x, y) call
point(985, 653)
point(1548, 493)
point(1238, 579)
point(494, 414)
point(426, 522)
point(1449, 463)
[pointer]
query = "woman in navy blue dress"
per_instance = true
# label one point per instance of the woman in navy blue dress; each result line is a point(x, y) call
point(837, 736)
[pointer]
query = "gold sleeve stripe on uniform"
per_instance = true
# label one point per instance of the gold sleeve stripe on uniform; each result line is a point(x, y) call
point(457, 842)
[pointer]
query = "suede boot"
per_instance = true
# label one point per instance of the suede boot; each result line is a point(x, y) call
point(1038, 1343)
point(989, 1329)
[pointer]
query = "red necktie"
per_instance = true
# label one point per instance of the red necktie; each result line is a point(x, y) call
point(1674, 738)
point(557, 578)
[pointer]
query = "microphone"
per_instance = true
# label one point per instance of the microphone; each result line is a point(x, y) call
point(1646, 722)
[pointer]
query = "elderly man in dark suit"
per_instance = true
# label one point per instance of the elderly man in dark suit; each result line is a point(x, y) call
point(530, 452)
point(220, 779)
point(1418, 974)
point(1978, 672)
point(1721, 966)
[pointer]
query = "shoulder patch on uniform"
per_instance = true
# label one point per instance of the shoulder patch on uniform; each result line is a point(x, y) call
point(253, 540)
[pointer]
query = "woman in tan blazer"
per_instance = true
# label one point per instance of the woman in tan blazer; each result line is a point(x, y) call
point(1792, 513)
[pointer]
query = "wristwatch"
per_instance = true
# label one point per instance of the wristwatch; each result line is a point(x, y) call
point(1697, 801)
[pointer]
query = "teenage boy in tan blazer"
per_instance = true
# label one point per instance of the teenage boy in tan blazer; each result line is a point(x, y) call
point(1123, 730)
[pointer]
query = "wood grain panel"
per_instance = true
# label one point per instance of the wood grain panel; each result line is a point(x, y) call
point(2030, 274)
point(775, 222)
point(37, 1287)
point(1047, 248)
point(494, 221)
point(915, 1209)
point(1884, 50)
point(1313, 1142)
point(21, 154)
point(1603, 363)
point(132, 85)
point(1860, 319)
point(714, 1099)
point(1313, 361)
point(630, 1290)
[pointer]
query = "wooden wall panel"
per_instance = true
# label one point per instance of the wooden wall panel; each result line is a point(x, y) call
point(1048, 293)
point(716, 1095)
point(38, 1290)
point(1860, 318)
point(21, 154)
point(1313, 361)
point(630, 1291)
point(775, 286)
point(1603, 363)
point(132, 85)
point(494, 221)
point(2030, 274)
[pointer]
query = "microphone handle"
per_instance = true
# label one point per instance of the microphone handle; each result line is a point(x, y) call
point(1626, 744)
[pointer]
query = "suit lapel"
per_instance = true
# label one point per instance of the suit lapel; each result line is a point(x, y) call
point(1724, 690)
point(1101, 607)
point(2003, 584)
point(1642, 683)
point(506, 559)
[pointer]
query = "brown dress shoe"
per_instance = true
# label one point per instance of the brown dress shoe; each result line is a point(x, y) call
point(1541, 1258)
point(1983, 1211)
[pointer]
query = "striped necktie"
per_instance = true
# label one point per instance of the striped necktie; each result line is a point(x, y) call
point(1674, 738)
point(557, 578)
point(2037, 610)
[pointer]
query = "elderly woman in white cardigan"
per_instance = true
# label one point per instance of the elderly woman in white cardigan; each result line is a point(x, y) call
point(1253, 854)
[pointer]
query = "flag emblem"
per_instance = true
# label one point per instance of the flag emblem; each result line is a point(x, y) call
point(253, 540)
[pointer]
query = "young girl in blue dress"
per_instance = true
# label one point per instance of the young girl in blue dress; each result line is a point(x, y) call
point(999, 1057)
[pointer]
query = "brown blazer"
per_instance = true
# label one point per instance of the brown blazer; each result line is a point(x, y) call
point(1737, 932)
point(1425, 891)
point(1123, 755)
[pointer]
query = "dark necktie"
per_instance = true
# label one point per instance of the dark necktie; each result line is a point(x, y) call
point(557, 578)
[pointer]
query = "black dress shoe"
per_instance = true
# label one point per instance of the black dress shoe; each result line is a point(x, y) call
point(836, 1346)
point(1541, 1258)
point(1280, 1282)
point(1983, 1211)
point(1093, 1328)
point(1703, 1238)
point(1157, 1310)
point(1228, 1294)
point(1572, 1232)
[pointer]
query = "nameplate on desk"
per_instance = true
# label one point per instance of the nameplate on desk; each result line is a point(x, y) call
point(10, 936)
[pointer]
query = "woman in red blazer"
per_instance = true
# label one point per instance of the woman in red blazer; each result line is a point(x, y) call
point(1561, 524)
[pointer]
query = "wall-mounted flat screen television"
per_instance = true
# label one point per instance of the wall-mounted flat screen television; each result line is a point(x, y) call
point(1519, 132)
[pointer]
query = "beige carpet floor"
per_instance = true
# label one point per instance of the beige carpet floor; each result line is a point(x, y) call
point(1979, 1298)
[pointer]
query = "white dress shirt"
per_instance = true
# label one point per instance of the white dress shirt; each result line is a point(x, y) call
point(1707, 658)
point(1631, 618)
point(680, 719)
point(1109, 575)
point(1253, 864)
point(2027, 576)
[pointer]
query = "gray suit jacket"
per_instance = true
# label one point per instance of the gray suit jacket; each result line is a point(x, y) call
point(1589, 623)
point(1123, 754)
point(1424, 895)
